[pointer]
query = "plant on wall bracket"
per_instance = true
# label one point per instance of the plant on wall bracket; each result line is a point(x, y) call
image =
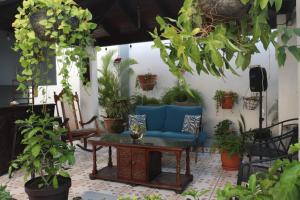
point(44, 29)
point(211, 41)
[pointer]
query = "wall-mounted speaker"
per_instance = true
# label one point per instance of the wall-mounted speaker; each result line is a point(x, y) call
point(258, 79)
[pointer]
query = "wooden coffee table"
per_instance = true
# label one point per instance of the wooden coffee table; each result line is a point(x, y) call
point(139, 162)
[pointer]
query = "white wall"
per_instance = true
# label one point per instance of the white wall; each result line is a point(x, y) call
point(149, 61)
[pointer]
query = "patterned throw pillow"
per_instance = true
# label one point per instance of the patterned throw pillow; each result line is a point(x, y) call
point(136, 119)
point(191, 124)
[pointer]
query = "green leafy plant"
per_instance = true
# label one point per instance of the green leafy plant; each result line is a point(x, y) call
point(45, 153)
point(226, 138)
point(44, 29)
point(212, 41)
point(180, 94)
point(281, 182)
point(194, 194)
point(144, 100)
point(110, 85)
point(220, 95)
point(4, 194)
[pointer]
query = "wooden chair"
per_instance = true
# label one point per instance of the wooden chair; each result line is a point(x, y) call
point(71, 115)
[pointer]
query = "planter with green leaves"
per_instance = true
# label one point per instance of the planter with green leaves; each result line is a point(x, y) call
point(225, 99)
point(211, 38)
point(144, 100)
point(229, 143)
point(44, 29)
point(180, 96)
point(44, 156)
point(115, 102)
point(137, 131)
point(147, 81)
point(280, 182)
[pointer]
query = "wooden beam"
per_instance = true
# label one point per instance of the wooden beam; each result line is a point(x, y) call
point(141, 36)
point(130, 13)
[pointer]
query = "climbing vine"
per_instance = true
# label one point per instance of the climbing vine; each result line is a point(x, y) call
point(211, 42)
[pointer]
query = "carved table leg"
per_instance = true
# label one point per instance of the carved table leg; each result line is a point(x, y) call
point(178, 158)
point(110, 164)
point(187, 162)
point(94, 172)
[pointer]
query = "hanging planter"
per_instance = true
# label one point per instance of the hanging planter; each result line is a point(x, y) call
point(251, 103)
point(225, 100)
point(223, 8)
point(147, 81)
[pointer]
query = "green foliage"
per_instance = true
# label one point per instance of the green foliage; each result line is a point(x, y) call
point(195, 194)
point(268, 186)
point(211, 43)
point(219, 97)
point(68, 28)
point(4, 194)
point(110, 85)
point(227, 139)
point(180, 94)
point(45, 153)
point(144, 100)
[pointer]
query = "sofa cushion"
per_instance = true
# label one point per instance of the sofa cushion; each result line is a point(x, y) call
point(155, 116)
point(175, 116)
point(191, 124)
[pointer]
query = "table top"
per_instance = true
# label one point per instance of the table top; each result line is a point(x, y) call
point(149, 142)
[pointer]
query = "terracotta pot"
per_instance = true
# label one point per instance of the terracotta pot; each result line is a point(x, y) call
point(227, 102)
point(114, 125)
point(60, 193)
point(230, 163)
point(147, 81)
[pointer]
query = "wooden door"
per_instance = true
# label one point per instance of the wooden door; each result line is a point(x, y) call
point(124, 163)
point(139, 164)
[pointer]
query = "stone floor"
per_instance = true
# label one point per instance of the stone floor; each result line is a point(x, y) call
point(208, 175)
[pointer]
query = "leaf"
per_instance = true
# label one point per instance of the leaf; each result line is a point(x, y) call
point(278, 4)
point(295, 51)
point(297, 31)
point(252, 183)
point(281, 55)
point(55, 182)
point(36, 150)
point(263, 4)
point(216, 58)
point(245, 1)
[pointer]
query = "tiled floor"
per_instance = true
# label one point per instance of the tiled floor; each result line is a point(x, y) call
point(208, 175)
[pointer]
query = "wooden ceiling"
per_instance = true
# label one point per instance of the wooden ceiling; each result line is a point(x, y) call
point(124, 21)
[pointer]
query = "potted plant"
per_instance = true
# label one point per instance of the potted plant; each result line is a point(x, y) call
point(4, 194)
point(147, 81)
point(43, 158)
point(144, 100)
point(229, 143)
point(225, 99)
point(137, 130)
point(115, 103)
point(180, 96)
point(116, 114)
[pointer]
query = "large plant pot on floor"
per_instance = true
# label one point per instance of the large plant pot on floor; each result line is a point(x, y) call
point(35, 193)
point(230, 163)
point(113, 125)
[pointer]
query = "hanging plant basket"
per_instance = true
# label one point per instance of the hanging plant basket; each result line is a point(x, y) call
point(223, 9)
point(40, 30)
point(251, 103)
point(147, 81)
point(227, 102)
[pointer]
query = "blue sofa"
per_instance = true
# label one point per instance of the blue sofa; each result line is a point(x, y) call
point(166, 122)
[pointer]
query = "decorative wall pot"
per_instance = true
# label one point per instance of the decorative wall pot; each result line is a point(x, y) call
point(147, 81)
point(227, 102)
point(223, 8)
point(114, 125)
point(230, 163)
point(60, 193)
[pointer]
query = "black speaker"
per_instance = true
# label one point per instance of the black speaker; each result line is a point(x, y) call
point(258, 79)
